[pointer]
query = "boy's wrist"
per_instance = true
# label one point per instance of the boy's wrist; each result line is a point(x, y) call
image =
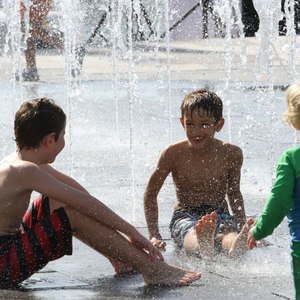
point(156, 235)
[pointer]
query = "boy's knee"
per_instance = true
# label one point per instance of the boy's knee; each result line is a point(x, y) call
point(54, 204)
point(75, 218)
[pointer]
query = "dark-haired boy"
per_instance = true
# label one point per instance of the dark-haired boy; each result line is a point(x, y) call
point(64, 210)
point(205, 172)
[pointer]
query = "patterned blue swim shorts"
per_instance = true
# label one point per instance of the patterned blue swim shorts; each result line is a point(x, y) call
point(184, 219)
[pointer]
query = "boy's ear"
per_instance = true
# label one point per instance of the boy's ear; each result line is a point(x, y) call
point(295, 126)
point(219, 125)
point(181, 121)
point(49, 139)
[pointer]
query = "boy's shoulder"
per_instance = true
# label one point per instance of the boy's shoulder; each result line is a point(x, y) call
point(12, 164)
point(230, 148)
point(172, 152)
point(180, 147)
point(291, 154)
point(292, 150)
point(176, 148)
point(230, 152)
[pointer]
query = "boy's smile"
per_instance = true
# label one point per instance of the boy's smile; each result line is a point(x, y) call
point(200, 127)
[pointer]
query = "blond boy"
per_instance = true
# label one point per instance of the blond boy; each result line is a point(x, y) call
point(284, 199)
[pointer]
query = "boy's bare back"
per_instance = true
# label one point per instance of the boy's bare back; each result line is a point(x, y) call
point(14, 199)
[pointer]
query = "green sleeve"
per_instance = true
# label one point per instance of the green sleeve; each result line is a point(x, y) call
point(280, 199)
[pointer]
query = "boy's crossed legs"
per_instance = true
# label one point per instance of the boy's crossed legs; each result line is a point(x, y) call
point(200, 237)
point(203, 235)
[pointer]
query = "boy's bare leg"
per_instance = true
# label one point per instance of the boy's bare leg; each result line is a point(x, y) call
point(112, 244)
point(120, 267)
point(200, 239)
point(235, 243)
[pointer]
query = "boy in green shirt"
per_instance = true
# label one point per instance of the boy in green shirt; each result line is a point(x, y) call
point(284, 199)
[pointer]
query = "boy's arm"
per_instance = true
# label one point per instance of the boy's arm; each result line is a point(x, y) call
point(234, 194)
point(63, 177)
point(280, 200)
point(154, 185)
point(32, 177)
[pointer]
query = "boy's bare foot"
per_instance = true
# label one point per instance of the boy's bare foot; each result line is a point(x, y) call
point(160, 273)
point(205, 231)
point(239, 245)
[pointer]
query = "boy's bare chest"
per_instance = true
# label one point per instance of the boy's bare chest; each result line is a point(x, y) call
point(194, 172)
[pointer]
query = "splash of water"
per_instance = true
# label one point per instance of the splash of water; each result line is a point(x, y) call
point(149, 57)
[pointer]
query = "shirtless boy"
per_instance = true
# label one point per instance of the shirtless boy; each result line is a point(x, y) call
point(205, 172)
point(66, 209)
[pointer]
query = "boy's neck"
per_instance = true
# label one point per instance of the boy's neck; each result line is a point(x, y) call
point(31, 155)
point(208, 149)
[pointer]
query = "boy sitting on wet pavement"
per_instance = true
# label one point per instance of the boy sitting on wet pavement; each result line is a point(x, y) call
point(205, 171)
point(63, 210)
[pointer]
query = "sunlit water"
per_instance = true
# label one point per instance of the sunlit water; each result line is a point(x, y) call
point(104, 158)
point(119, 122)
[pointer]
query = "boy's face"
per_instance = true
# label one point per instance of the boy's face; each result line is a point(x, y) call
point(58, 145)
point(200, 127)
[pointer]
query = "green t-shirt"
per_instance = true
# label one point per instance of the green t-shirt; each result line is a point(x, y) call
point(284, 198)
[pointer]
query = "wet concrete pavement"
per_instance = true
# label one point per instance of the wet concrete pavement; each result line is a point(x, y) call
point(87, 275)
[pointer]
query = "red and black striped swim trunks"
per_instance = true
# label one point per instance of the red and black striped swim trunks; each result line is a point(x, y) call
point(43, 237)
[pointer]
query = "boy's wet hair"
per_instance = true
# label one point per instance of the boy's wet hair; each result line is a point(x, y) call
point(35, 119)
point(292, 115)
point(203, 99)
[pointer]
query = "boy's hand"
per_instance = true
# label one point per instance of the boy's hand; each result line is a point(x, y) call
point(144, 244)
point(158, 243)
point(251, 242)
